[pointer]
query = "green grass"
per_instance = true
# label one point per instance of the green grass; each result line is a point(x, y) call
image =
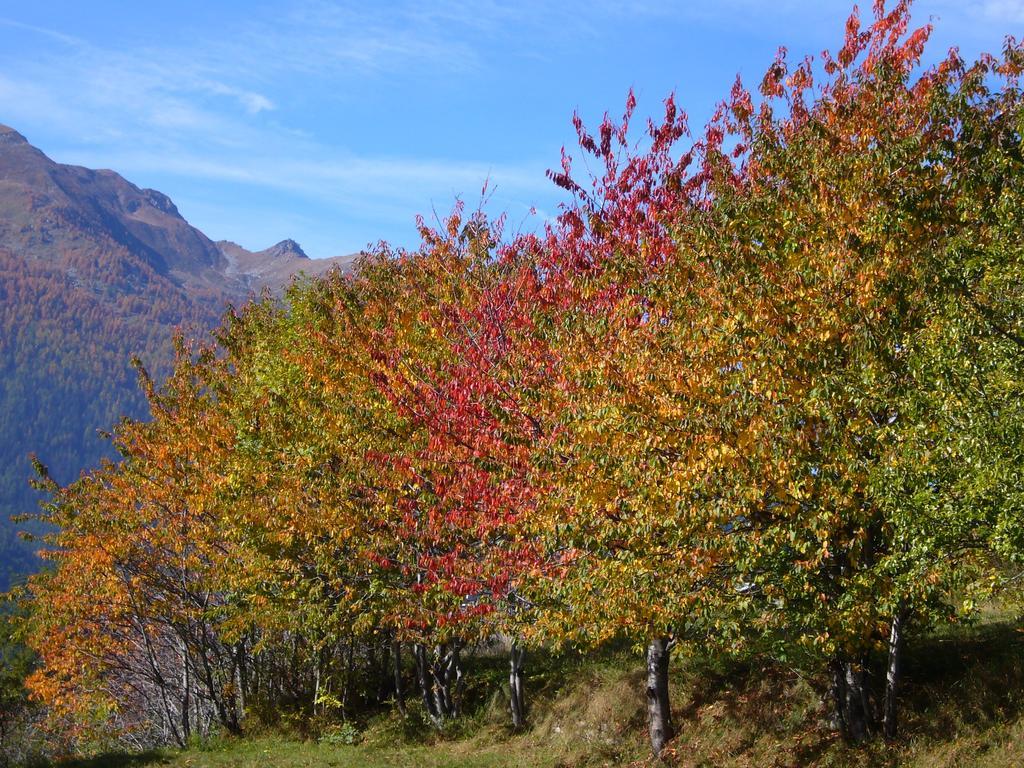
point(963, 706)
point(286, 753)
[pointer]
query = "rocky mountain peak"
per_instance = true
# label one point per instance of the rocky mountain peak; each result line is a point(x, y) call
point(160, 201)
point(10, 137)
point(286, 249)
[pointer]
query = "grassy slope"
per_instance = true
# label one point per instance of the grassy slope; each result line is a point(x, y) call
point(964, 706)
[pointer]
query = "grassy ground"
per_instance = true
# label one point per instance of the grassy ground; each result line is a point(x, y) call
point(283, 753)
point(963, 706)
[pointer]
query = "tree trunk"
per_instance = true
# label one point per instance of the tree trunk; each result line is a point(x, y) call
point(350, 670)
point(515, 683)
point(396, 662)
point(316, 681)
point(439, 684)
point(659, 714)
point(241, 679)
point(426, 685)
point(186, 693)
point(893, 673)
point(852, 711)
point(456, 677)
point(441, 680)
point(162, 686)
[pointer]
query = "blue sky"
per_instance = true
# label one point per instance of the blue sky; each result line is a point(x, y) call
point(335, 123)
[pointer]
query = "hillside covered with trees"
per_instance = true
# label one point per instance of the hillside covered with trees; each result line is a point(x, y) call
point(756, 394)
point(65, 347)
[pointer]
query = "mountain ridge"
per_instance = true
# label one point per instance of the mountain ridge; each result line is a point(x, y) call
point(47, 207)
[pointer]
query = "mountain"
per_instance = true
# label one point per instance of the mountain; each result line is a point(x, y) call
point(271, 267)
point(93, 270)
point(51, 212)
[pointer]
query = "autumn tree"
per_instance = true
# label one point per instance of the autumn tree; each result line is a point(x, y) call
point(748, 328)
point(125, 623)
point(457, 357)
point(839, 223)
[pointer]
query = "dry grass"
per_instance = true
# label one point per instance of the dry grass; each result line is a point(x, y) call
point(963, 706)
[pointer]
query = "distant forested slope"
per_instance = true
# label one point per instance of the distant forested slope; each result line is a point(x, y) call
point(65, 350)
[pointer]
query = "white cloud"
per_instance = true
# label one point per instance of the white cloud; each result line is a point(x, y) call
point(255, 102)
point(252, 102)
point(363, 183)
point(1009, 11)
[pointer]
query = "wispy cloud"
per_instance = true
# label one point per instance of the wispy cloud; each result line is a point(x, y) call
point(199, 107)
point(225, 105)
point(1008, 11)
point(43, 31)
